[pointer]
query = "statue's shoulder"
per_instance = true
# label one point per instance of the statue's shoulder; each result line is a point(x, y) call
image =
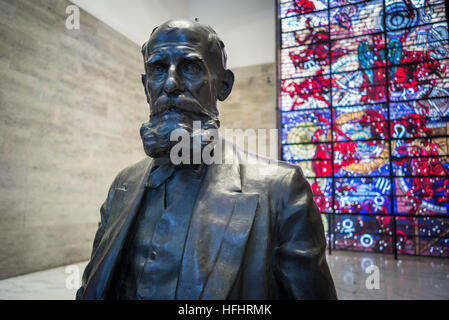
point(135, 170)
point(269, 168)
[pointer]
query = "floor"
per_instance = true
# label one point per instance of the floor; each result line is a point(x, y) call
point(53, 284)
point(405, 278)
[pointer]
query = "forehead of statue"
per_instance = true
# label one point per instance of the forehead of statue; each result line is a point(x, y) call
point(190, 37)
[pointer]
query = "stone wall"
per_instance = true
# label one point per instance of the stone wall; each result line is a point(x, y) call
point(71, 105)
point(252, 105)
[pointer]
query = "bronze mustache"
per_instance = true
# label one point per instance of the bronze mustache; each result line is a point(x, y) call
point(180, 103)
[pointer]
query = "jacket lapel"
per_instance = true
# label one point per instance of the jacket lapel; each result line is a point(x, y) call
point(125, 205)
point(220, 226)
point(232, 248)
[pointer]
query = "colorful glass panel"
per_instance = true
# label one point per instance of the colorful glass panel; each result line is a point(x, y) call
point(364, 111)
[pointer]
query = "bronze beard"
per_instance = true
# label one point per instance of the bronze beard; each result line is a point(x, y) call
point(168, 115)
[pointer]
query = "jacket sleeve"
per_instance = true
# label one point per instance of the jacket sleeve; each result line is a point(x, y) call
point(104, 213)
point(300, 267)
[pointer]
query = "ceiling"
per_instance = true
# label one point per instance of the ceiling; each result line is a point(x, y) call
point(247, 27)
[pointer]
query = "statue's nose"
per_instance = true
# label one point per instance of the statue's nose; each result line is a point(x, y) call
point(173, 83)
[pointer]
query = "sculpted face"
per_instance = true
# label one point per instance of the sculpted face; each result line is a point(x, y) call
point(184, 77)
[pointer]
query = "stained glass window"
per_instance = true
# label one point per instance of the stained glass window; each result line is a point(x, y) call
point(364, 111)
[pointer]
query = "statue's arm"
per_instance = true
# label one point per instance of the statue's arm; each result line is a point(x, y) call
point(104, 213)
point(300, 266)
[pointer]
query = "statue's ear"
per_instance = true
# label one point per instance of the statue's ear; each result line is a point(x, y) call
point(144, 82)
point(227, 82)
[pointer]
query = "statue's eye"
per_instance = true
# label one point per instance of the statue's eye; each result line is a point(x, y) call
point(191, 68)
point(158, 68)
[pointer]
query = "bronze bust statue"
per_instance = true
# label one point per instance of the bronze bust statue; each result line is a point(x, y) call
point(203, 230)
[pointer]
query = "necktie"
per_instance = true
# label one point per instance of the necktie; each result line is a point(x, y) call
point(161, 172)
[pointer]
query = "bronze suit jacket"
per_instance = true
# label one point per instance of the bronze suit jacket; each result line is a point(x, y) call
point(255, 233)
